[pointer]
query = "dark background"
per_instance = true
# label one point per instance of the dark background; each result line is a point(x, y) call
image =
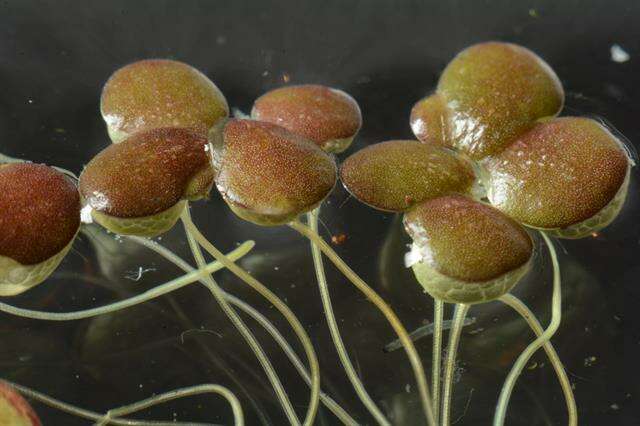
point(54, 59)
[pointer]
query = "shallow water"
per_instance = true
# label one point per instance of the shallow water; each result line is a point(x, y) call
point(53, 62)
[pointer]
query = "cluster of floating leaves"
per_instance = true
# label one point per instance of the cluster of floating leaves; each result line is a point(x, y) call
point(491, 124)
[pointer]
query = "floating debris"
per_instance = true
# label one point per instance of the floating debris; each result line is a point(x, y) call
point(589, 361)
point(618, 54)
point(424, 331)
point(137, 275)
point(198, 330)
point(338, 239)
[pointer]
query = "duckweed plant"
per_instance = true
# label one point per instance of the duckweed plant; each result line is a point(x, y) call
point(270, 176)
point(492, 164)
point(495, 105)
